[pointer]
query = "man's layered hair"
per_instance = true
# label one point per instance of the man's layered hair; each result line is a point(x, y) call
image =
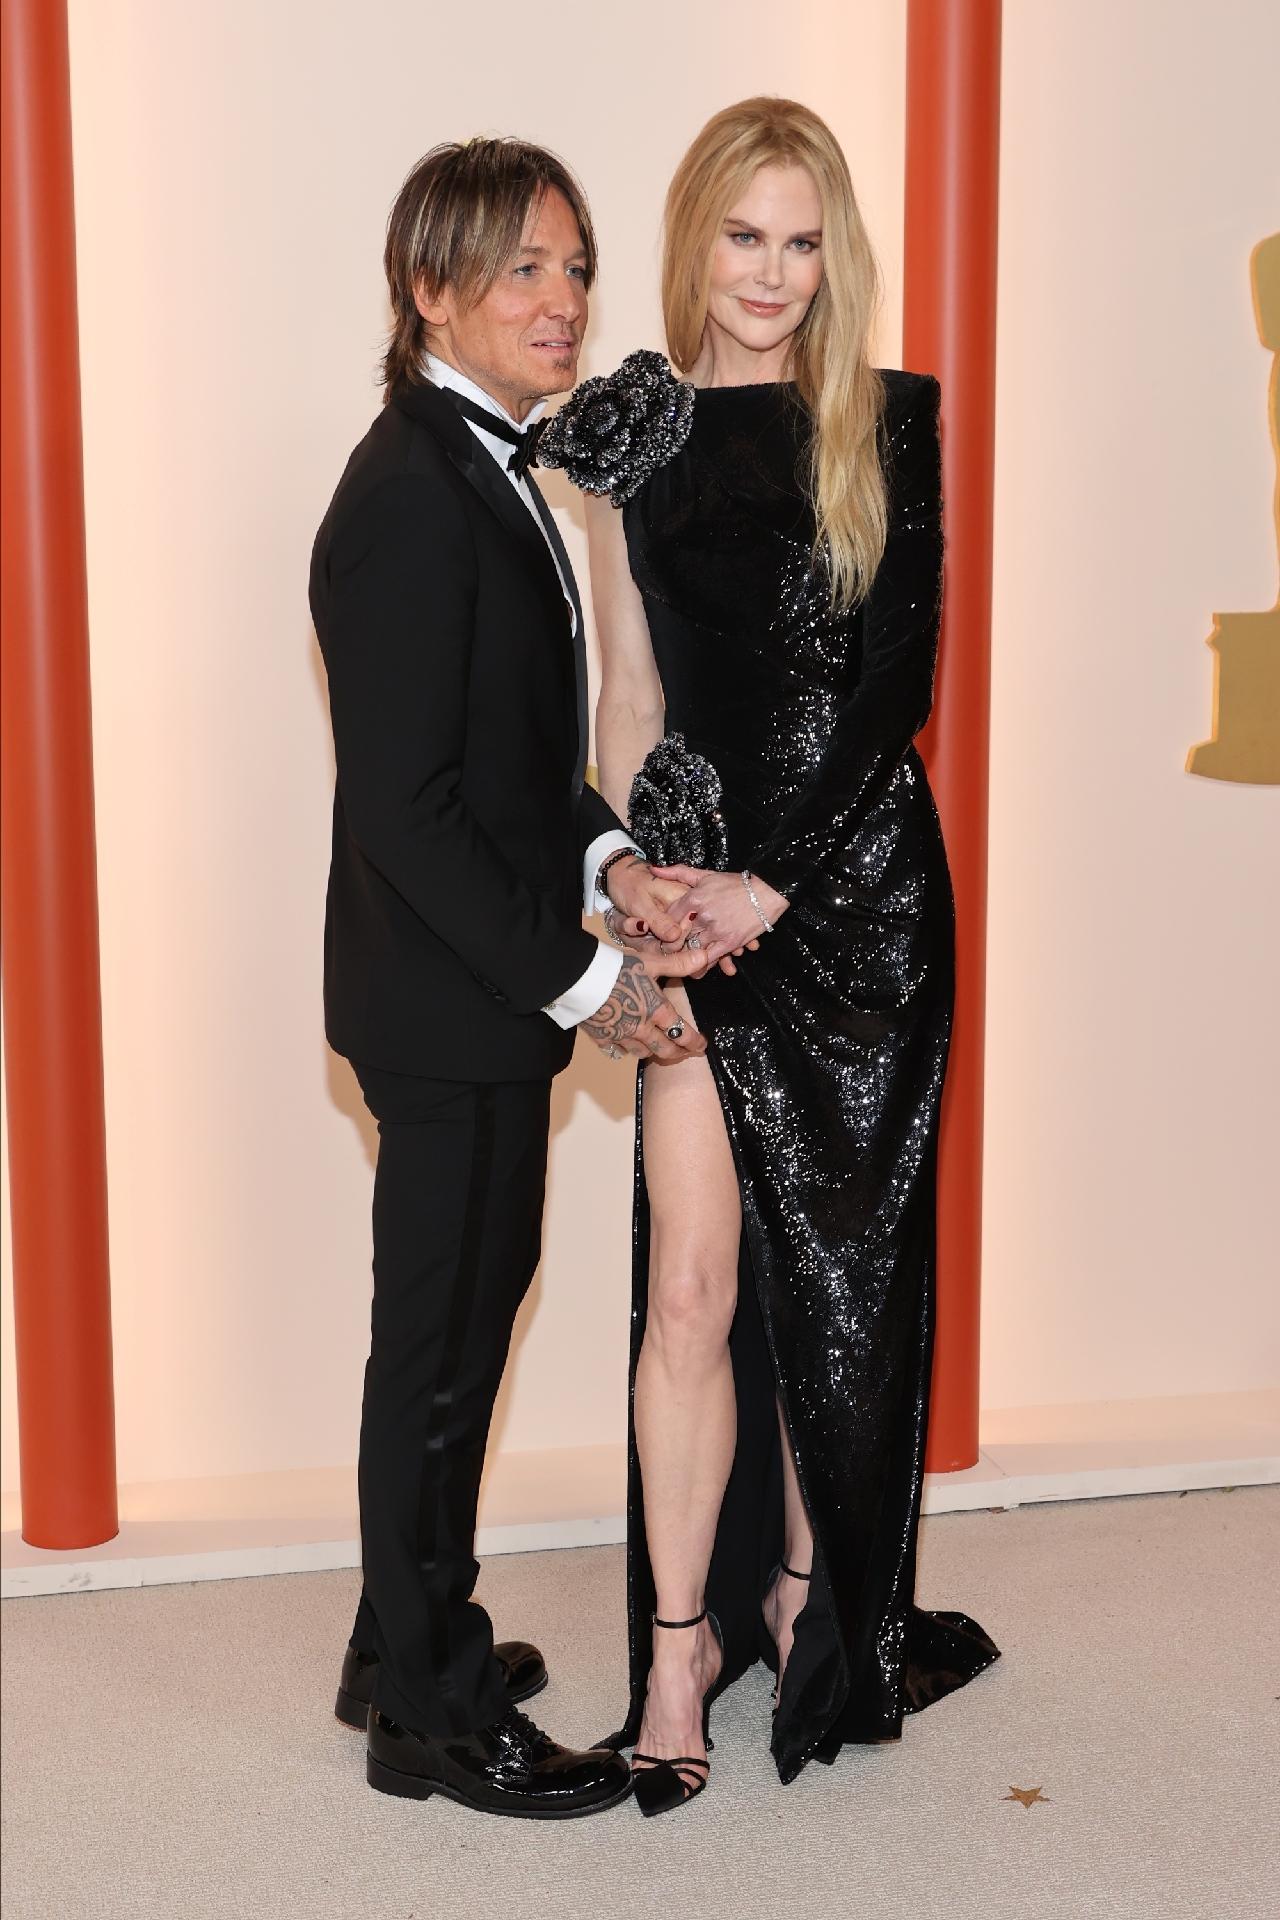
point(458, 220)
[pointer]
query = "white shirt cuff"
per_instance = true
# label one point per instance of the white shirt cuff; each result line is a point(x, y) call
point(588, 994)
point(594, 900)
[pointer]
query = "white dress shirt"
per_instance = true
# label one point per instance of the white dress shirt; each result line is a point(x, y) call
point(591, 989)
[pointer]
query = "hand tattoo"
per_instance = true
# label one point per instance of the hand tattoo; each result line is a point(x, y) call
point(634, 999)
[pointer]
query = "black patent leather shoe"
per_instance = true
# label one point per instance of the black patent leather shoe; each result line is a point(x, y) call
point(510, 1767)
point(523, 1665)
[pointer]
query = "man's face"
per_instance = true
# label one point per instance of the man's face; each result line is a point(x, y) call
point(521, 342)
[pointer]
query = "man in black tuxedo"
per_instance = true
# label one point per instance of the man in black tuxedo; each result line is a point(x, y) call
point(465, 848)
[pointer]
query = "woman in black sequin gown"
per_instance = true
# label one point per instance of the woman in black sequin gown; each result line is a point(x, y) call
point(785, 1211)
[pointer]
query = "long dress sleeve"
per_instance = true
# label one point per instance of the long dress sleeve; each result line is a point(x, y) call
point(894, 692)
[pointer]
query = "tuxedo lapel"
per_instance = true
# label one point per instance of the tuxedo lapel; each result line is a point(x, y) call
point(579, 634)
point(427, 405)
point(433, 410)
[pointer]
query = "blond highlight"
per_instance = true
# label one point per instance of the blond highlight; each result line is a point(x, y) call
point(830, 357)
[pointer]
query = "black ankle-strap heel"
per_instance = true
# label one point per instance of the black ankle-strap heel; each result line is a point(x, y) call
point(768, 1645)
point(662, 1785)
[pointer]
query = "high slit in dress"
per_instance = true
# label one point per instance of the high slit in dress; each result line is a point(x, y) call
point(829, 1047)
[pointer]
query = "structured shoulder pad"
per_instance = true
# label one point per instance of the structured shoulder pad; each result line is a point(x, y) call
point(619, 428)
point(911, 448)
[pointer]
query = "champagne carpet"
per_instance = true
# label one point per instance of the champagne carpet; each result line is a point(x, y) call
point(170, 1752)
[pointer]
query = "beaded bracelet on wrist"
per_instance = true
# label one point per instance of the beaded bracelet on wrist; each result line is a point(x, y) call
point(619, 853)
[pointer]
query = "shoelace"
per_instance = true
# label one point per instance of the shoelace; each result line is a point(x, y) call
point(524, 1732)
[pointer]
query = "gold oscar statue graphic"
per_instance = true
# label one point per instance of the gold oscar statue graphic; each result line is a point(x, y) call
point(1246, 646)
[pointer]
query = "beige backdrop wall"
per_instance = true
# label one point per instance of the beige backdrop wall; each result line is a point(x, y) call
point(233, 169)
point(1131, 1243)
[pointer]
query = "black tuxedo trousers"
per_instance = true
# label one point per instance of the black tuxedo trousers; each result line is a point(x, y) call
point(457, 1223)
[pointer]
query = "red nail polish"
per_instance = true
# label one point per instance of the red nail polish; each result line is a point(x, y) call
point(641, 927)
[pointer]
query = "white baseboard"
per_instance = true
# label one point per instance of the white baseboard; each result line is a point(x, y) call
point(305, 1521)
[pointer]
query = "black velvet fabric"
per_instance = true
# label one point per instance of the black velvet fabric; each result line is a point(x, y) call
point(828, 1049)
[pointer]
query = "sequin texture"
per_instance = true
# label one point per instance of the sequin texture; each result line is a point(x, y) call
point(617, 429)
point(828, 1049)
point(674, 809)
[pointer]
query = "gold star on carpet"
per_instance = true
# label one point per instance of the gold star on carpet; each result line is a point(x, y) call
point(1028, 1796)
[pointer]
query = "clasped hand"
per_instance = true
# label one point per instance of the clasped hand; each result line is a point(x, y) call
point(677, 922)
point(687, 911)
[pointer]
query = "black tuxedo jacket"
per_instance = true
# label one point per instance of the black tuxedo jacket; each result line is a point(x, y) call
point(458, 700)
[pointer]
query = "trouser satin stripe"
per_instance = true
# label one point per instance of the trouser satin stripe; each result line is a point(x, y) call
point(433, 1487)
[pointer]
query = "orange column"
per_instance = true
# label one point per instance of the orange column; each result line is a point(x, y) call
point(52, 1003)
point(949, 328)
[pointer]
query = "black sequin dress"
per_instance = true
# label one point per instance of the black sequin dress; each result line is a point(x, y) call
point(829, 1048)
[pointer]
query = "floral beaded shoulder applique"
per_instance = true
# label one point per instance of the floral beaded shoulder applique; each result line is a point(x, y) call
point(619, 428)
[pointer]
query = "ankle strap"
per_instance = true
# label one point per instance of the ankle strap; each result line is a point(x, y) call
point(696, 1621)
point(794, 1574)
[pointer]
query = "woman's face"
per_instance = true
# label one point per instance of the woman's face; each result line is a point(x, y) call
point(767, 264)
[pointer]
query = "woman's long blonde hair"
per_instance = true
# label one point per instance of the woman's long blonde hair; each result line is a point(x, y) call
point(830, 354)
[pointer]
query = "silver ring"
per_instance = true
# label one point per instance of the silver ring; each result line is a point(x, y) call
point(694, 941)
point(676, 1030)
point(612, 1053)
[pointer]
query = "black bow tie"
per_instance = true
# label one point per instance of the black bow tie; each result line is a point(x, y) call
point(523, 440)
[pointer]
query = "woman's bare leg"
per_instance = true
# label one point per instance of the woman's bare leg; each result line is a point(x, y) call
point(786, 1597)
point(685, 1413)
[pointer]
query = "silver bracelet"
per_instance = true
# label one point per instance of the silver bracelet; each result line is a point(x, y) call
point(751, 894)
